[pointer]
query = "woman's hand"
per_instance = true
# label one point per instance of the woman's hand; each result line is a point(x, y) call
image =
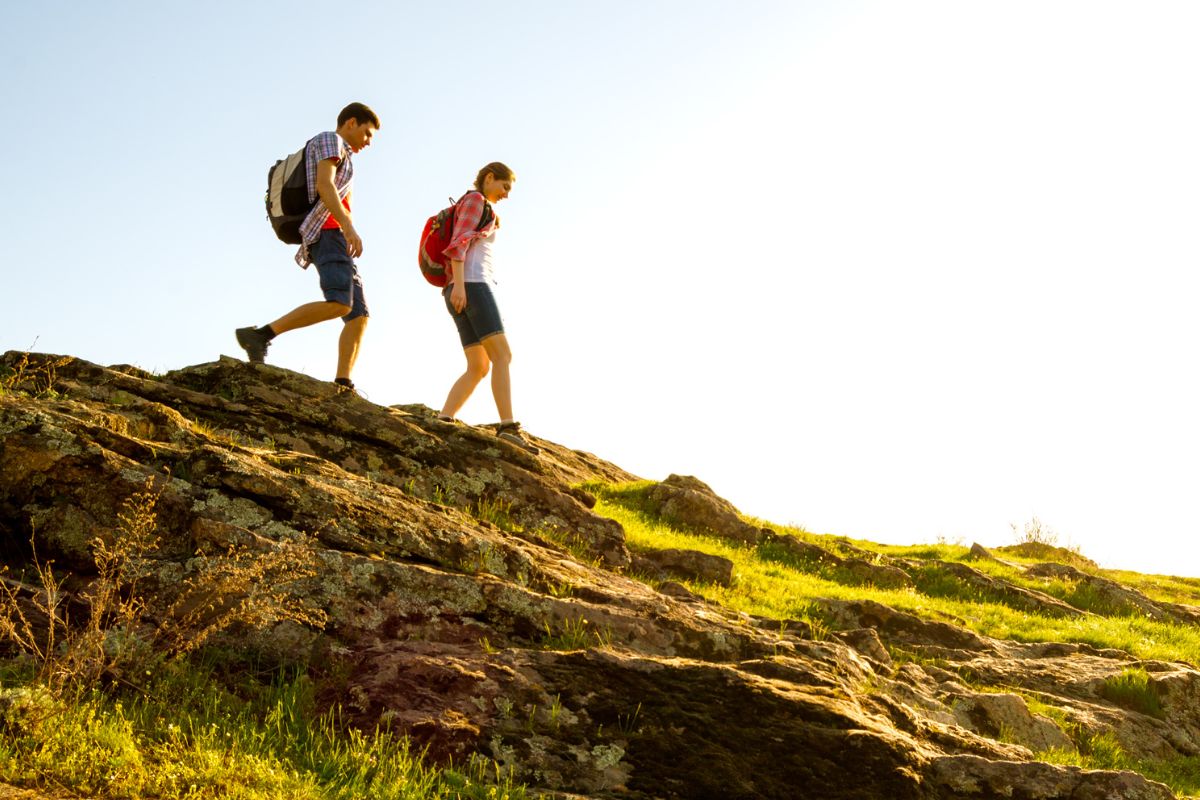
point(458, 296)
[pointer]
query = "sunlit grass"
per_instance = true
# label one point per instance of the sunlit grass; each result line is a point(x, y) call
point(778, 587)
point(1185, 591)
point(781, 591)
point(1103, 751)
point(1132, 689)
point(184, 736)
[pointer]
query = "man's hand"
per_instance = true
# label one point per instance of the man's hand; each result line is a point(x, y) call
point(354, 242)
point(458, 296)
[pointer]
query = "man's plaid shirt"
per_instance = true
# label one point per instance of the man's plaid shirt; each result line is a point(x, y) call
point(322, 146)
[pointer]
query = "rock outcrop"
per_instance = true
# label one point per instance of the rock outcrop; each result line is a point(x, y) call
point(477, 603)
point(689, 503)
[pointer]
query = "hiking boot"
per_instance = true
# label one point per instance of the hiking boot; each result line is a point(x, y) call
point(254, 342)
point(344, 385)
point(511, 432)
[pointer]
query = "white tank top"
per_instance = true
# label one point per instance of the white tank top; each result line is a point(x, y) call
point(477, 267)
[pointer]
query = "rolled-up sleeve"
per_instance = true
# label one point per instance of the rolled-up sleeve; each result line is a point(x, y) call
point(466, 223)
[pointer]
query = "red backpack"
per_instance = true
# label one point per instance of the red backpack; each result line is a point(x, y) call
point(435, 238)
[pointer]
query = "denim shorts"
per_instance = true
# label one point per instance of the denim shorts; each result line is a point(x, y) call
point(339, 276)
point(480, 319)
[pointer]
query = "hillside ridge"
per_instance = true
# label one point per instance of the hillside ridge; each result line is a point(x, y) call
point(473, 598)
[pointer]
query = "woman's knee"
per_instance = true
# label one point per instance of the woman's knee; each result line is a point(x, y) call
point(497, 349)
point(477, 362)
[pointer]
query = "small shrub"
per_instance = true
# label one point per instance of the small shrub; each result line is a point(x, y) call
point(31, 377)
point(1034, 532)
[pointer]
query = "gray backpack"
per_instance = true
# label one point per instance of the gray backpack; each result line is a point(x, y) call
point(287, 196)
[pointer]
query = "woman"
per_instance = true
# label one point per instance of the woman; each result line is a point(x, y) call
point(470, 300)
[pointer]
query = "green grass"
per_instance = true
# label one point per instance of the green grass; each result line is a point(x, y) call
point(930, 580)
point(184, 735)
point(1103, 751)
point(1040, 708)
point(770, 587)
point(497, 512)
point(574, 634)
point(772, 582)
point(1132, 690)
point(1095, 751)
point(1165, 588)
point(1181, 774)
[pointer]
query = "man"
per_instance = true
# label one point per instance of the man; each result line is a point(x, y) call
point(330, 241)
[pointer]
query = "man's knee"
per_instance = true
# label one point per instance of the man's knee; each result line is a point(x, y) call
point(339, 309)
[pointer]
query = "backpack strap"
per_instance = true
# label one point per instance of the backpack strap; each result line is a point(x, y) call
point(488, 214)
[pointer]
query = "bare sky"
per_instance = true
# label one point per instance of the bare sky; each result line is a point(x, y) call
point(890, 270)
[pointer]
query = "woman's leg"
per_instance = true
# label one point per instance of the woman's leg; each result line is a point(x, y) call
point(477, 370)
point(497, 351)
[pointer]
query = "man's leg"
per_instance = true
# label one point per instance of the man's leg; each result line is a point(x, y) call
point(309, 314)
point(348, 343)
point(336, 271)
point(353, 330)
point(255, 341)
point(460, 392)
point(498, 353)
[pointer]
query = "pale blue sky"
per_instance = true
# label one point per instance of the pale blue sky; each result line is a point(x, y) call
point(890, 270)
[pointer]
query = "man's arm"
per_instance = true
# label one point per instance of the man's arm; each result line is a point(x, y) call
point(327, 191)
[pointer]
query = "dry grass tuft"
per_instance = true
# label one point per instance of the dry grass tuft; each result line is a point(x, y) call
point(241, 586)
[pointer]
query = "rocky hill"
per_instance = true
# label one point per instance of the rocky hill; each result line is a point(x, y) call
point(467, 594)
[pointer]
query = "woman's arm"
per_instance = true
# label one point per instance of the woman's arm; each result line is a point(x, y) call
point(466, 223)
point(458, 289)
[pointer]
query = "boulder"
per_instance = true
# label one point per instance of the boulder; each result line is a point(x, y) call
point(688, 564)
point(689, 503)
point(997, 715)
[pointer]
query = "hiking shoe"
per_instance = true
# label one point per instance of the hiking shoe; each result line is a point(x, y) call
point(511, 432)
point(254, 342)
point(347, 385)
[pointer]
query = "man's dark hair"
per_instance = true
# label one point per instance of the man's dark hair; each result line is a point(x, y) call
point(359, 112)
